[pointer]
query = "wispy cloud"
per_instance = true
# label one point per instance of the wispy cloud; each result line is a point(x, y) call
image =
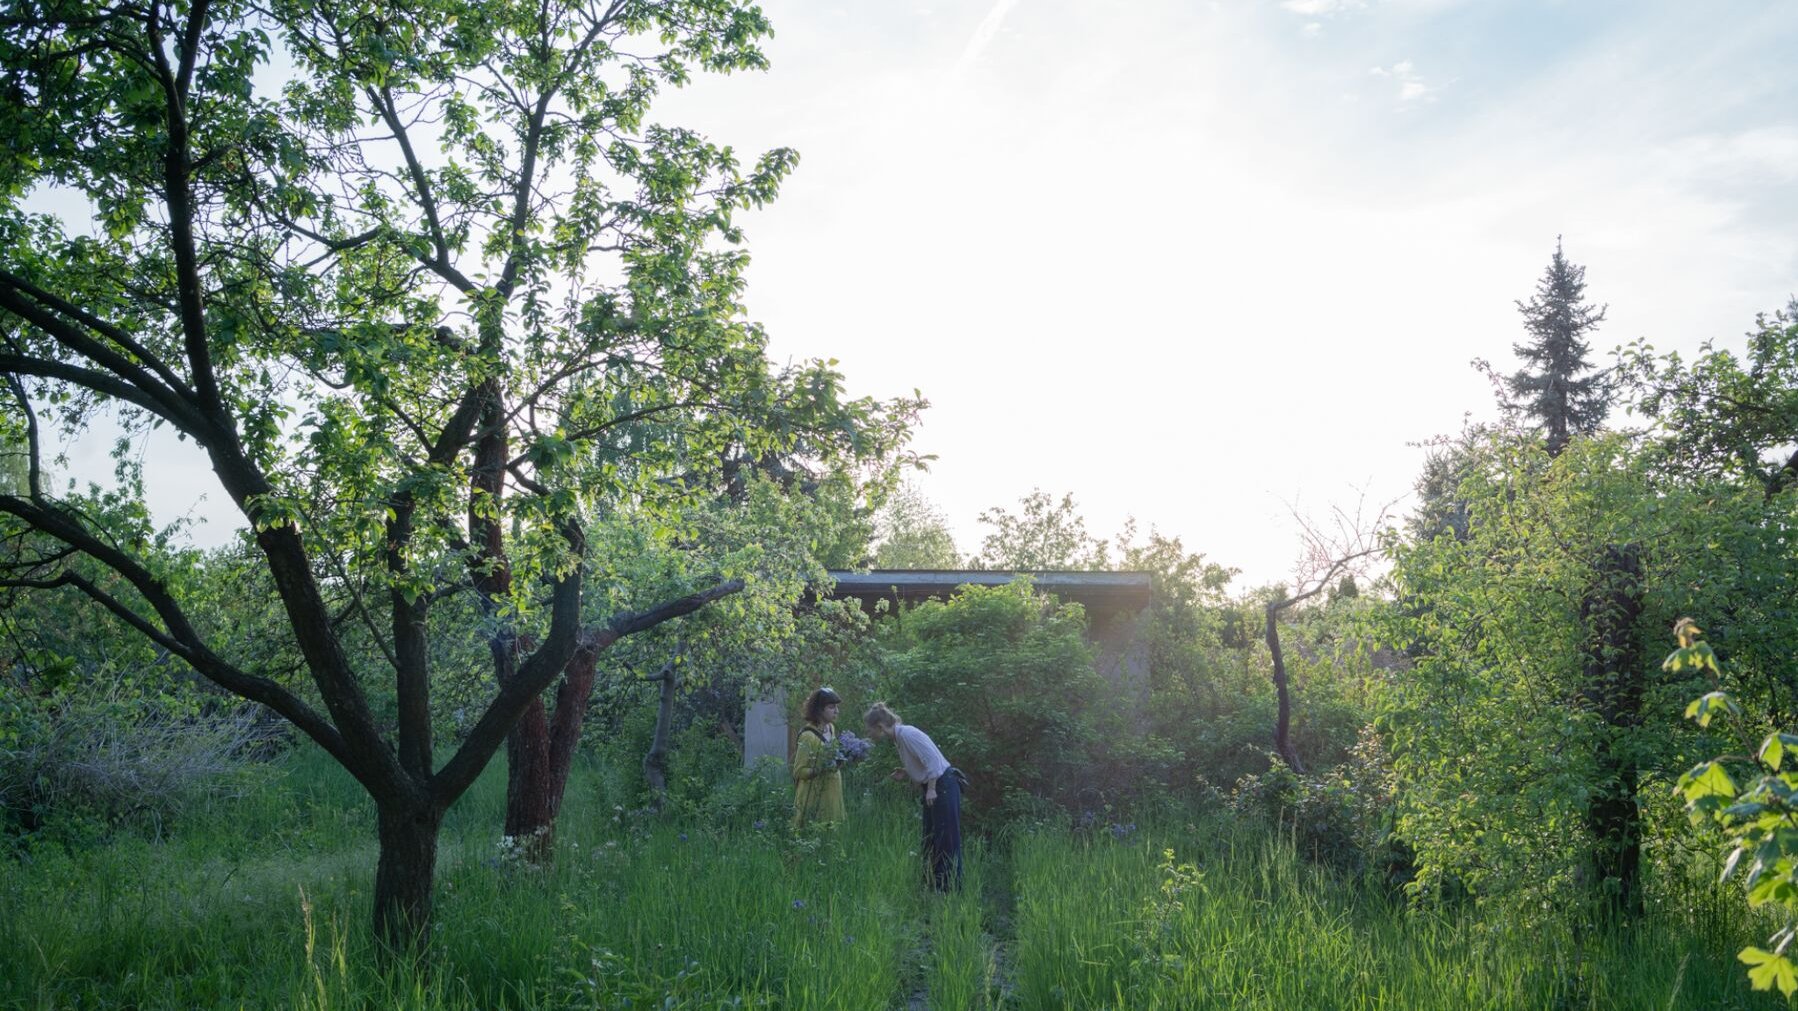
point(983, 34)
point(1322, 8)
point(1411, 87)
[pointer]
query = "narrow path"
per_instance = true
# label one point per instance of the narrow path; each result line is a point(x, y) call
point(992, 988)
point(999, 902)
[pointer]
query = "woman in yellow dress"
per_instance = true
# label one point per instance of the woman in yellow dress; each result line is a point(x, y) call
point(817, 769)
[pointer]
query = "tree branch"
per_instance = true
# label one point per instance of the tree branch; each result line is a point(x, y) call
point(209, 665)
point(117, 335)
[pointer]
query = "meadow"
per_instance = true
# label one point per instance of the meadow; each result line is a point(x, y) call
point(262, 901)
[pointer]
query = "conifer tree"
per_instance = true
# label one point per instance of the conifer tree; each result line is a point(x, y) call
point(1556, 388)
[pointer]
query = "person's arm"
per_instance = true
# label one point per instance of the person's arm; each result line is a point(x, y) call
point(806, 756)
point(930, 790)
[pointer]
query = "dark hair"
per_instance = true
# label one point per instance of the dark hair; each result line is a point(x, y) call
point(813, 710)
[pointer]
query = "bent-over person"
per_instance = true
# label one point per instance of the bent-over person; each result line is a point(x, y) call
point(939, 784)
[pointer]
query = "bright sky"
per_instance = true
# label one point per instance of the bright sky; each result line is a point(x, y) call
point(1196, 262)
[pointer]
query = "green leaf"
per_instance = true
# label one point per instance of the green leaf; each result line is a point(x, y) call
point(1775, 747)
point(1707, 780)
point(1708, 705)
point(1767, 970)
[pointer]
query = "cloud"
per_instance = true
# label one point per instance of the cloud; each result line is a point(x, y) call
point(1313, 29)
point(983, 34)
point(1322, 8)
point(1411, 86)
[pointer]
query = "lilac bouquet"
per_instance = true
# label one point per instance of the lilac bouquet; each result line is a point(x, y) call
point(851, 749)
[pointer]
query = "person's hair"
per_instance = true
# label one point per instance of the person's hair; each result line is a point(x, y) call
point(813, 710)
point(881, 715)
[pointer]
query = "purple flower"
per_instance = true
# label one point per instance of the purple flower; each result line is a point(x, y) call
point(683, 837)
point(760, 824)
point(852, 749)
point(798, 903)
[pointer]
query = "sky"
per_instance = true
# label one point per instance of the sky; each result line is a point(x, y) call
point(1208, 264)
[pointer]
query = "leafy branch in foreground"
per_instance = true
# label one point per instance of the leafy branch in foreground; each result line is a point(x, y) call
point(1759, 819)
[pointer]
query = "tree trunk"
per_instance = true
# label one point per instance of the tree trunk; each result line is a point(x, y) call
point(655, 763)
point(1614, 677)
point(1283, 721)
point(404, 876)
point(540, 753)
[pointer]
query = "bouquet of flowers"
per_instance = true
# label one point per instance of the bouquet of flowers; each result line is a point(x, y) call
point(851, 749)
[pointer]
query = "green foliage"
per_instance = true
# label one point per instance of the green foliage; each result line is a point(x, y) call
point(1002, 679)
point(1758, 819)
point(1341, 818)
point(1496, 734)
point(1044, 534)
point(1724, 415)
point(913, 534)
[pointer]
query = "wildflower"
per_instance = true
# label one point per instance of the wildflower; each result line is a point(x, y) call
point(851, 749)
point(760, 824)
point(683, 837)
point(798, 903)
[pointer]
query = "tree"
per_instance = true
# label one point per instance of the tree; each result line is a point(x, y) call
point(781, 518)
point(913, 534)
point(1044, 535)
point(406, 309)
point(1329, 555)
point(1555, 391)
point(1523, 733)
point(1724, 415)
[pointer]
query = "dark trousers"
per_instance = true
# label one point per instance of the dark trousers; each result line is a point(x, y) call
point(942, 832)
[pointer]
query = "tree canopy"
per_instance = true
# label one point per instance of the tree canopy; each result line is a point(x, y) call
point(432, 307)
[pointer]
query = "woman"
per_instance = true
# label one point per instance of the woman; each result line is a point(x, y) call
point(923, 763)
point(817, 779)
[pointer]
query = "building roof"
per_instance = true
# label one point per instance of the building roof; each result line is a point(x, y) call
point(1091, 589)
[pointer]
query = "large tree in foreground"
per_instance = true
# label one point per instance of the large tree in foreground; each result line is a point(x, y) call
point(409, 308)
point(1556, 388)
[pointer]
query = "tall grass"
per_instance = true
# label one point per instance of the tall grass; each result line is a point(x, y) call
point(1238, 920)
point(264, 902)
point(960, 964)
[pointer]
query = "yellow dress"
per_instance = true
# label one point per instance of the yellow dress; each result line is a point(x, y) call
point(818, 783)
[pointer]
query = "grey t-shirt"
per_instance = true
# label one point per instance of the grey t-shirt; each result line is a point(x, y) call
point(922, 760)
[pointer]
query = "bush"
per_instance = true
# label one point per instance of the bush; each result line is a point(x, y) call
point(1341, 818)
point(124, 758)
point(1003, 680)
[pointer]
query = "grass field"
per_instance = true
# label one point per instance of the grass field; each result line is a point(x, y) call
point(264, 902)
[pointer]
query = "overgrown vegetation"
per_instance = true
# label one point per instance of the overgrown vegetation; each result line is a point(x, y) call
point(462, 334)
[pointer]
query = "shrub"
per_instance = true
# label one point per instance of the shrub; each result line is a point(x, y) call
point(122, 757)
point(1003, 680)
point(1341, 818)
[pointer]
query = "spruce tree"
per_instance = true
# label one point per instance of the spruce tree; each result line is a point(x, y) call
point(1557, 388)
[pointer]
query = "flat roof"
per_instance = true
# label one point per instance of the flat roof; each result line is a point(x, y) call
point(1101, 589)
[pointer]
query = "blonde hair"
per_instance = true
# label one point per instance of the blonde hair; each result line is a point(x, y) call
point(880, 715)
